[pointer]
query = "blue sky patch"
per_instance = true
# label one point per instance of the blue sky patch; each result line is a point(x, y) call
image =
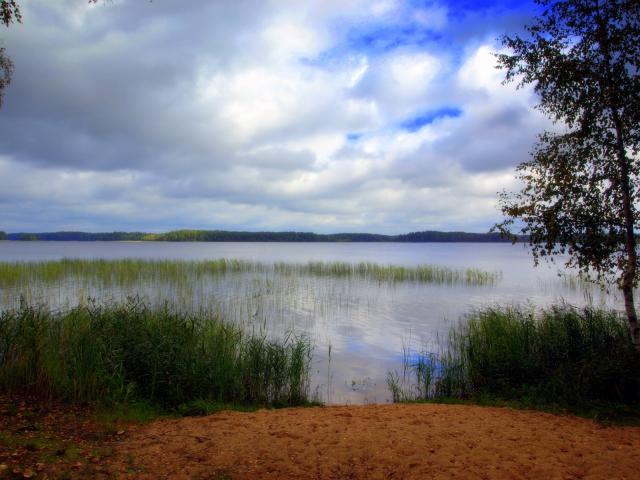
point(413, 124)
point(384, 39)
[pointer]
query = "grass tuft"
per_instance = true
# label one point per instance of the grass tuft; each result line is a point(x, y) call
point(130, 352)
point(561, 356)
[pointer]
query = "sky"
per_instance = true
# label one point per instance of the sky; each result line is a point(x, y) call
point(328, 116)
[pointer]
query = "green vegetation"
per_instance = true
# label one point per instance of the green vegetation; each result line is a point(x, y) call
point(580, 186)
point(561, 356)
point(390, 273)
point(135, 271)
point(130, 352)
point(230, 236)
point(3, 235)
point(28, 237)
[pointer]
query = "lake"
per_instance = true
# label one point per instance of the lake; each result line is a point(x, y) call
point(360, 327)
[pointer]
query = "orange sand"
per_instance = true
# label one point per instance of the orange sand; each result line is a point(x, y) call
point(381, 442)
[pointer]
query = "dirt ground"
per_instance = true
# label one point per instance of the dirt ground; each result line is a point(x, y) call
point(49, 440)
point(379, 442)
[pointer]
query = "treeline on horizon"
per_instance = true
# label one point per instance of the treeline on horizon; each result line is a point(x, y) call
point(231, 236)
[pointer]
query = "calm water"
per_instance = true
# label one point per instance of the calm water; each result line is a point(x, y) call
point(365, 325)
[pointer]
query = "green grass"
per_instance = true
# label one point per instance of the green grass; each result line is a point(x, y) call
point(127, 272)
point(113, 415)
point(580, 359)
point(131, 352)
point(390, 273)
point(50, 448)
point(606, 414)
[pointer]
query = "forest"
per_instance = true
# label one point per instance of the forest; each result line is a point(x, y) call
point(233, 236)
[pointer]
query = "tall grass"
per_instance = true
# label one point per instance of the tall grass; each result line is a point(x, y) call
point(121, 352)
point(561, 355)
point(132, 271)
point(391, 273)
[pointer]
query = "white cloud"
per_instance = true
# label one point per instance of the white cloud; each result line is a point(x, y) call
point(479, 71)
point(254, 116)
point(413, 73)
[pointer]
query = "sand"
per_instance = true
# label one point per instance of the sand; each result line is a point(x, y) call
point(381, 442)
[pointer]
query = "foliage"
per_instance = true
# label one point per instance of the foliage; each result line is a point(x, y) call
point(131, 352)
point(9, 11)
point(229, 236)
point(6, 70)
point(561, 356)
point(28, 237)
point(573, 184)
point(581, 185)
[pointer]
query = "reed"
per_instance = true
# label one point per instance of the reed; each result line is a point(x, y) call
point(131, 352)
point(562, 355)
point(135, 271)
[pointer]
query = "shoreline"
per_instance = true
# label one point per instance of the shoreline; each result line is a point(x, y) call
point(45, 439)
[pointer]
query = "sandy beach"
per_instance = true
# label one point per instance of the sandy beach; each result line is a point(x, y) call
point(419, 441)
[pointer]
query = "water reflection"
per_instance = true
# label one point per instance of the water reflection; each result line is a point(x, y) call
point(359, 326)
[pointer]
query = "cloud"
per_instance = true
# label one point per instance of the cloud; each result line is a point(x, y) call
point(328, 116)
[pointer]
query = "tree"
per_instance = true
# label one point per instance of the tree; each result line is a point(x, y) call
point(6, 70)
point(9, 10)
point(581, 186)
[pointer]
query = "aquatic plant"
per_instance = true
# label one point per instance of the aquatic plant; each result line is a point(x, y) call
point(560, 355)
point(132, 271)
point(130, 351)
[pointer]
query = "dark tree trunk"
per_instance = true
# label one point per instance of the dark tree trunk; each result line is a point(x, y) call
point(630, 265)
point(629, 275)
point(627, 290)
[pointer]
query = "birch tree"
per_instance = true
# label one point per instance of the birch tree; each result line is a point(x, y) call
point(581, 186)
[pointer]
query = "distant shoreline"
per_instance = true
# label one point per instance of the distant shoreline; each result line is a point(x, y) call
point(237, 236)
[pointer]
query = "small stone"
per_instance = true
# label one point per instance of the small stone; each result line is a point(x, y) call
point(120, 432)
point(39, 466)
point(28, 473)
